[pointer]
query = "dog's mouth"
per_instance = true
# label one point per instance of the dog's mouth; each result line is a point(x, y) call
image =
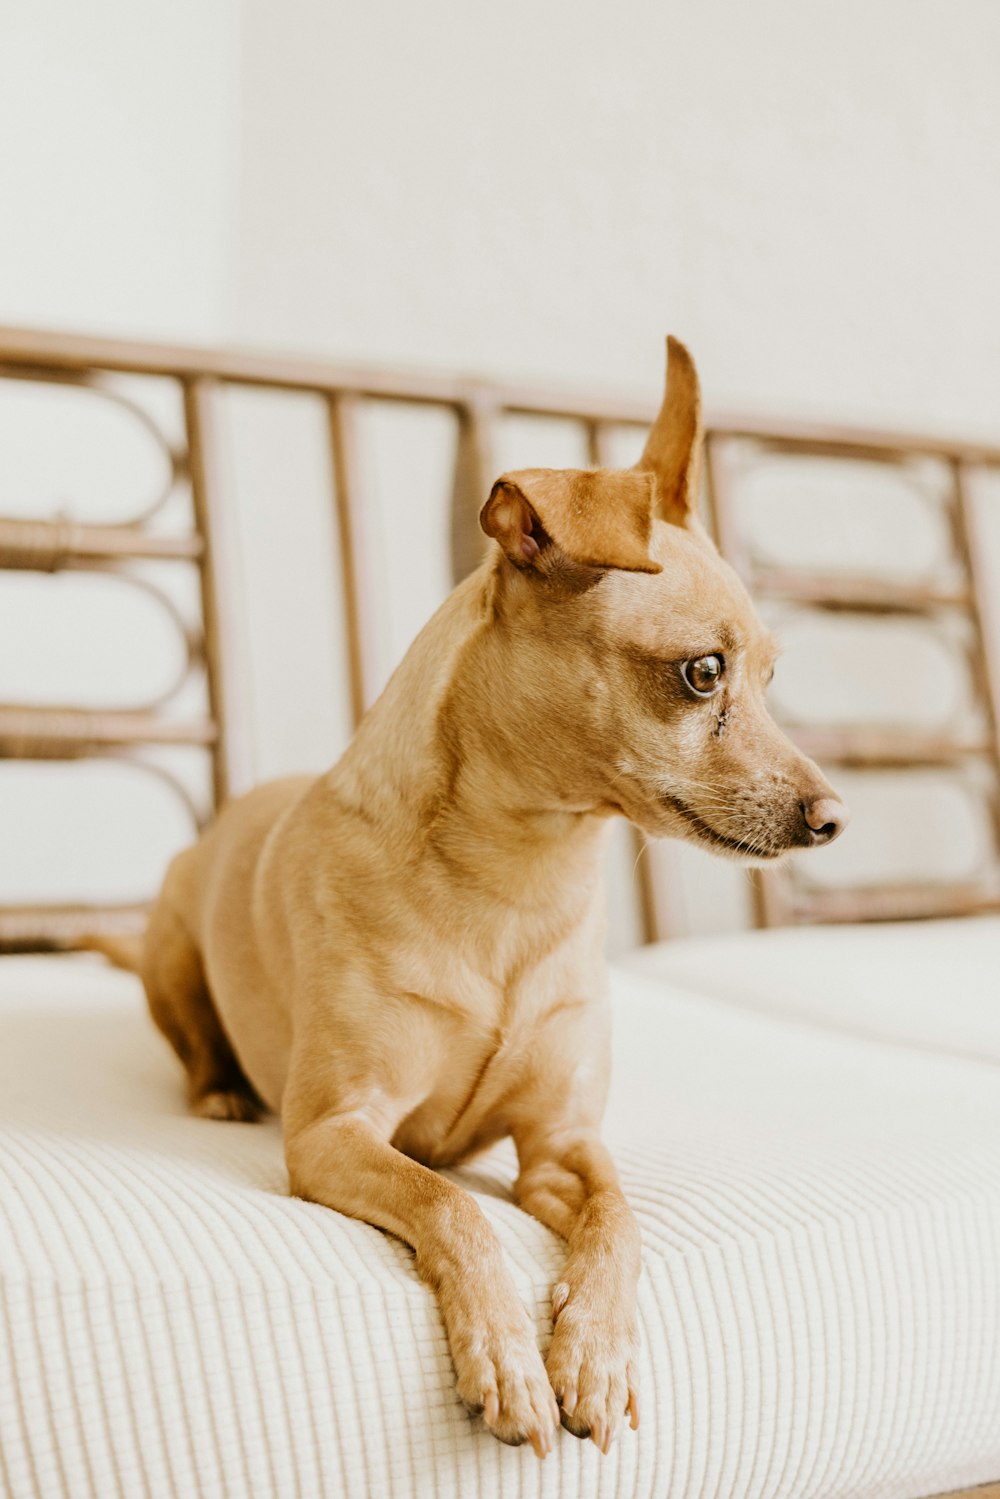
point(748, 847)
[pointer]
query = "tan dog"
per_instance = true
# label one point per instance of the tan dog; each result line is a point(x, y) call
point(405, 957)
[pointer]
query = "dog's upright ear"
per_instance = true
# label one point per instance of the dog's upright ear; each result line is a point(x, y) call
point(591, 517)
point(673, 448)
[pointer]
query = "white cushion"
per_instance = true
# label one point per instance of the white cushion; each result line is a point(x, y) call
point(933, 984)
point(820, 1304)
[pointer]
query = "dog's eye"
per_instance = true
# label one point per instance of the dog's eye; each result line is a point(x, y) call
point(703, 675)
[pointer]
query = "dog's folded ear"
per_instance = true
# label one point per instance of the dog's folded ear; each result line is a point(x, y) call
point(673, 449)
point(593, 517)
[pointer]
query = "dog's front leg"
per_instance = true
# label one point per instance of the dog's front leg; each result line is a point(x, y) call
point(345, 1162)
point(569, 1181)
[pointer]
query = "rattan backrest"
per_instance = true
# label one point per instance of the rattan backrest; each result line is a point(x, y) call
point(609, 431)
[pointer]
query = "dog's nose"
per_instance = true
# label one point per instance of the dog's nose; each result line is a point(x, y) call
point(826, 819)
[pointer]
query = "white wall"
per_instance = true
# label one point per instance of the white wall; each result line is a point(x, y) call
point(120, 129)
point(807, 192)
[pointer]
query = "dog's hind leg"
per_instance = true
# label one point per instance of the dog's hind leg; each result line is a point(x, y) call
point(181, 1005)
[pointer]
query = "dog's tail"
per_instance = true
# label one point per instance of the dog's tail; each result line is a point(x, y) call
point(123, 952)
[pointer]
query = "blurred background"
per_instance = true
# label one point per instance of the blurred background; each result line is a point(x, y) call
point(808, 194)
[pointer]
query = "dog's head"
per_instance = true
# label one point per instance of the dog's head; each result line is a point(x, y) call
point(633, 658)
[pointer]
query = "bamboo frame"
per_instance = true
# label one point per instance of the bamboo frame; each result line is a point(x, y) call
point(230, 761)
point(475, 470)
point(200, 375)
point(49, 546)
point(359, 626)
point(44, 355)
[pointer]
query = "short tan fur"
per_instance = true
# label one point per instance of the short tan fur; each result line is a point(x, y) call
point(404, 957)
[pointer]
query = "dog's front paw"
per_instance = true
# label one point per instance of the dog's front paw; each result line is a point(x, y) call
point(501, 1377)
point(591, 1366)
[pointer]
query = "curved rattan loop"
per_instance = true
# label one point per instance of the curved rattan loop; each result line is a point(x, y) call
point(191, 637)
point(95, 385)
point(915, 475)
point(936, 628)
point(137, 760)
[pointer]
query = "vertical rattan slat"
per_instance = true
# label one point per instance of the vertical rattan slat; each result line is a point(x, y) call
point(360, 634)
point(474, 472)
point(985, 661)
point(231, 772)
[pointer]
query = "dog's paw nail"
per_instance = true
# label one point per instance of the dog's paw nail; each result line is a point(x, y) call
point(600, 1436)
point(560, 1296)
point(541, 1441)
point(568, 1400)
point(632, 1410)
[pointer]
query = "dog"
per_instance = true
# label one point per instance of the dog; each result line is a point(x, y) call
point(404, 957)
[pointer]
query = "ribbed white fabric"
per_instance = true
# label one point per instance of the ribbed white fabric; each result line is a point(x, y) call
point(933, 984)
point(820, 1305)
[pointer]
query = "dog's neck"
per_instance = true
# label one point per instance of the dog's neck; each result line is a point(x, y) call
point(477, 816)
point(487, 829)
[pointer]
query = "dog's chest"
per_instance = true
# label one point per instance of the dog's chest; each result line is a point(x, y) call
point(501, 1014)
point(464, 1114)
point(481, 1076)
